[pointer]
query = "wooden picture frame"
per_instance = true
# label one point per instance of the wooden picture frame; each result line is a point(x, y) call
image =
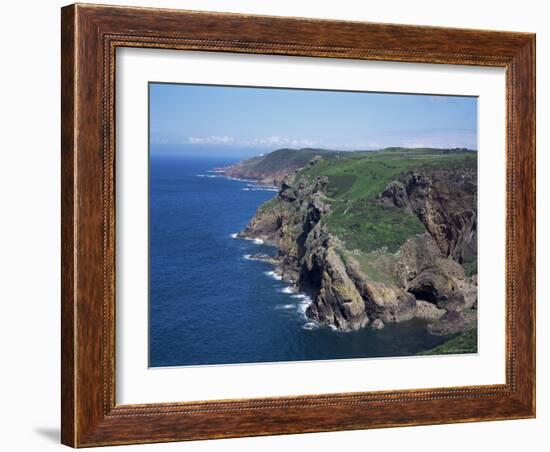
point(90, 36)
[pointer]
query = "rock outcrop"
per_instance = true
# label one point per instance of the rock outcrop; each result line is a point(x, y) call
point(272, 168)
point(351, 289)
point(446, 203)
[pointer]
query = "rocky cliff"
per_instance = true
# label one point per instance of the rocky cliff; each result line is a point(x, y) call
point(378, 237)
point(271, 169)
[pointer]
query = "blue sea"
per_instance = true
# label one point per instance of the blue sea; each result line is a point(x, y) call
point(210, 304)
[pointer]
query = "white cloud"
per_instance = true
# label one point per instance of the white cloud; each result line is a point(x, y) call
point(449, 138)
point(272, 141)
point(213, 139)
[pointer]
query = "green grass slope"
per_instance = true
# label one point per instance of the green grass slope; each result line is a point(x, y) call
point(464, 343)
point(282, 159)
point(354, 180)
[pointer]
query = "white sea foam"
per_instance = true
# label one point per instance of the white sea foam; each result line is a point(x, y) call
point(234, 235)
point(303, 307)
point(284, 306)
point(274, 275)
point(255, 240)
point(207, 175)
point(237, 179)
point(310, 326)
point(247, 257)
point(304, 302)
point(258, 189)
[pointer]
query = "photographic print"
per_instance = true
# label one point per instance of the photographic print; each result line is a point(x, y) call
point(256, 206)
point(300, 224)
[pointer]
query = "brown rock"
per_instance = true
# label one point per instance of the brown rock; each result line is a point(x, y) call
point(428, 311)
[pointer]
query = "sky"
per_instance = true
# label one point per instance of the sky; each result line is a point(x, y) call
point(220, 119)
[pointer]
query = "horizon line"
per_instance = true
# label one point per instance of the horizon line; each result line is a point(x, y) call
point(314, 148)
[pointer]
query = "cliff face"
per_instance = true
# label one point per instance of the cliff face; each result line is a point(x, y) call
point(271, 169)
point(354, 286)
point(446, 203)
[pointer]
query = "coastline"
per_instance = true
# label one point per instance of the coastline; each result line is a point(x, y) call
point(400, 263)
point(277, 273)
point(251, 314)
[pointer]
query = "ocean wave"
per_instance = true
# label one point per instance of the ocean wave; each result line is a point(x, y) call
point(248, 257)
point(310, 325)
point(303, 307)
point(234, 235)
point(259, 189)
point(237, 179)
point(256, 240)
point(273, 275)
point(251, 185)
point(284, 306)
point(304, 302)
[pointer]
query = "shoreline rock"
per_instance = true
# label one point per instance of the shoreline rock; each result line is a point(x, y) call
point(424, 279)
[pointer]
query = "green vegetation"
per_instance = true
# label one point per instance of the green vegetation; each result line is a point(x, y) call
point(268, 205)
point(286, 158)
point(368, 226)
point(464, 343)
point(377, 266)
point(356, 178)
point(363, 174)
point(340, 184)
point(470, 268)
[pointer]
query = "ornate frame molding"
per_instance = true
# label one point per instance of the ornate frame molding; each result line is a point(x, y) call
point(90, 37)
